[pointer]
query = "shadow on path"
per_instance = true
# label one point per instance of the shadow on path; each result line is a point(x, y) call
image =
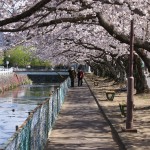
point(80, 124)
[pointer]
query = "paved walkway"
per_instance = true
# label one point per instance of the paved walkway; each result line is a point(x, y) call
point(81, 125)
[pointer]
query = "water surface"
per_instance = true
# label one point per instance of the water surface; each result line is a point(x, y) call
point(15, 105)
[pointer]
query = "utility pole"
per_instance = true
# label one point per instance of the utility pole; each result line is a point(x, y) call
point(130, 99)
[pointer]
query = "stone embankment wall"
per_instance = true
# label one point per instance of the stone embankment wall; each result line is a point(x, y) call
point(10, 81)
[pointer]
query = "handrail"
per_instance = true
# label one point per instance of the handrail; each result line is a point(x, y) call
point(5, 71)
point(34, 69)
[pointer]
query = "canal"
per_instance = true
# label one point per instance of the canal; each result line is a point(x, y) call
point(16, 104)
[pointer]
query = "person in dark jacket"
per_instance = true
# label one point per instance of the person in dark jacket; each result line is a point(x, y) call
point(80, 77)
point(72, 75)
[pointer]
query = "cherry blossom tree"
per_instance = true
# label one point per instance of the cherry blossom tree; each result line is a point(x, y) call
point(91, 31)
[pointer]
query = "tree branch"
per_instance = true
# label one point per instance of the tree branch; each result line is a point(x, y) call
point(120, 36)
point(25, 14)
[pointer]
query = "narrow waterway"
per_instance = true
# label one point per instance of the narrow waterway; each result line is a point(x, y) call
point(16, 104)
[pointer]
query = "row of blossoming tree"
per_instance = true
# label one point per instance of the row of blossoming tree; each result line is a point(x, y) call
point(96, 32)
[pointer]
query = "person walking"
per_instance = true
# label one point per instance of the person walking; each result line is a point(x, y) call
point(80, 77)
point(72, 75)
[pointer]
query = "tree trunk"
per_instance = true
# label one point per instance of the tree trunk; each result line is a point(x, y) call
point(140, 82)
point(139, 77)
point(144, 57)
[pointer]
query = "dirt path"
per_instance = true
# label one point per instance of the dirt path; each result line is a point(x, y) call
point(141, 121)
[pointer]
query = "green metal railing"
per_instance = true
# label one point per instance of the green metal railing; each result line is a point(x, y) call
point(33, 133)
